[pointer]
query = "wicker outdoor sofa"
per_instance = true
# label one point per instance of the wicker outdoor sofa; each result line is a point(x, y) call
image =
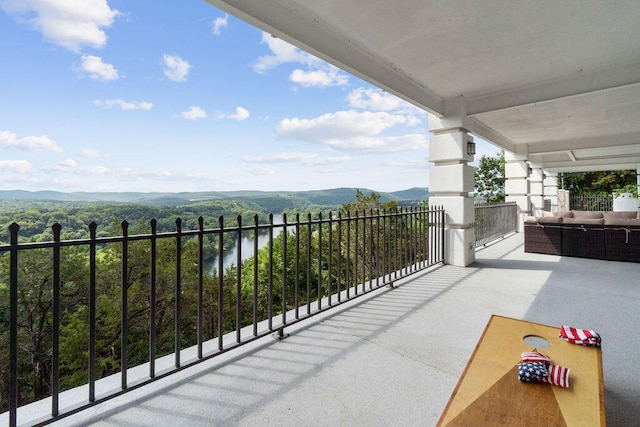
point(613, 236)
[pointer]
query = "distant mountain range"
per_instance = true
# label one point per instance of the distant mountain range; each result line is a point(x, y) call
point(335, 196)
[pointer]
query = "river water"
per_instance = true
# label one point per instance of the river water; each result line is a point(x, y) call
point(246, 247)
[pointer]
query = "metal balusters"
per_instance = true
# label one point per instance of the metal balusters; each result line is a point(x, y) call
point(375, 246)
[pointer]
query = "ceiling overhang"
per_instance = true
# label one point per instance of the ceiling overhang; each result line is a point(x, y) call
point(558, 82)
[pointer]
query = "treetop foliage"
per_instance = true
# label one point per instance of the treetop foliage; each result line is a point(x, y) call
point(599, 182)
point(489, 179)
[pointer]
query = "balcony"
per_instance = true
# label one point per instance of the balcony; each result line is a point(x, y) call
point(391, 356)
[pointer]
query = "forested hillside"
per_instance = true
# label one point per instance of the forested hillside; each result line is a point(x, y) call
point(36, 212)
point(36, 218)
point(271, 201)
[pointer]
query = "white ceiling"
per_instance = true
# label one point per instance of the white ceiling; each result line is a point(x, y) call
point(558, 81)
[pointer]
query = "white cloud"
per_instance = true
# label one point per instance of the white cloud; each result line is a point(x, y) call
point(90, 153)
point(405, 164)
point(307, 159)
point(29, 143)
point(68, 163)
point(381, 144)
point(240, 114)
point(261, 171)
point(353, 131)
point(335, 159)
point(67, 23)
point(194, 113)
point(92, 171)
point(319, 78)
point(176, 68)
point(342, 124)
point(97, 69)
point(317, 74)
point(65, 166)
point(282, 158)
point(124, 105)
point(17, 166)
point(219, 23)
point(281, 53)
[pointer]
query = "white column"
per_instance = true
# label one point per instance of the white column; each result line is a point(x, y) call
point(551, 189)
point(516, 186)
point(536, 189)
point(452, 180)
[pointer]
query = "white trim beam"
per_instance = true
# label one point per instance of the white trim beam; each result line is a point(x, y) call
point(577, 85)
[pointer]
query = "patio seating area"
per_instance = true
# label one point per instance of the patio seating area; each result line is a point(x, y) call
point(394, 356)
point(613, 236)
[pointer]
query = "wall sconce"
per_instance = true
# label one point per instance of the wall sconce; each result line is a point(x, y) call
point(471, 148)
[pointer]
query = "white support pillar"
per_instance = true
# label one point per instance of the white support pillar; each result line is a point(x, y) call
point(551, 189)
point(452, 180)
point(536, 189)
point(516, 186)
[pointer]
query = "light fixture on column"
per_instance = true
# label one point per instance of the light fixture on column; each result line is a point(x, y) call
point(471, 147)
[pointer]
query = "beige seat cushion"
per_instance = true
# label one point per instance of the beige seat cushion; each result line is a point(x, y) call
point(584, 221)
point(588, 214)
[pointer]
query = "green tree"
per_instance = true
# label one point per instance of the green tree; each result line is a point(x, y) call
point(598, 182)
point(489, 179)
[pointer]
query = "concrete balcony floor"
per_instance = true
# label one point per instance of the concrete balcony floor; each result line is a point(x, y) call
point(394, 357)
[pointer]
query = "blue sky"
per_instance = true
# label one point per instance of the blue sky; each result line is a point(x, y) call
point(177, 95)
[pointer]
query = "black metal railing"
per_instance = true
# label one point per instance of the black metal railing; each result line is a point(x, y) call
point(591, 202)
point(83, 310)
point(494, 220)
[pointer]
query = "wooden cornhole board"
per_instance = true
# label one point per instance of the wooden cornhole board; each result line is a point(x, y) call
point(489, 392)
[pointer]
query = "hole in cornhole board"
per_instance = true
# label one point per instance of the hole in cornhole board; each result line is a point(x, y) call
point(536, 341)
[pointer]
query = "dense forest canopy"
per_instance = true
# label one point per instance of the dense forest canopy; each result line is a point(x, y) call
point(37, 212)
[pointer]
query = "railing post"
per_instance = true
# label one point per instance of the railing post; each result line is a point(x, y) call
point(297, 268)
point(319, 261)
point(178, 299)
point(13, 325)
point(152, 300)
point(124, 319)
point(308, 263)
point(339, 266)
point(284, 269)
point(239, 279)
point(55, 326)
point(356, 239)
point(270, 278)
point(200, 283)
point(92, 311)
point(329, 257)
point(220, 282)
point(256, 234)
point(348, 258)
